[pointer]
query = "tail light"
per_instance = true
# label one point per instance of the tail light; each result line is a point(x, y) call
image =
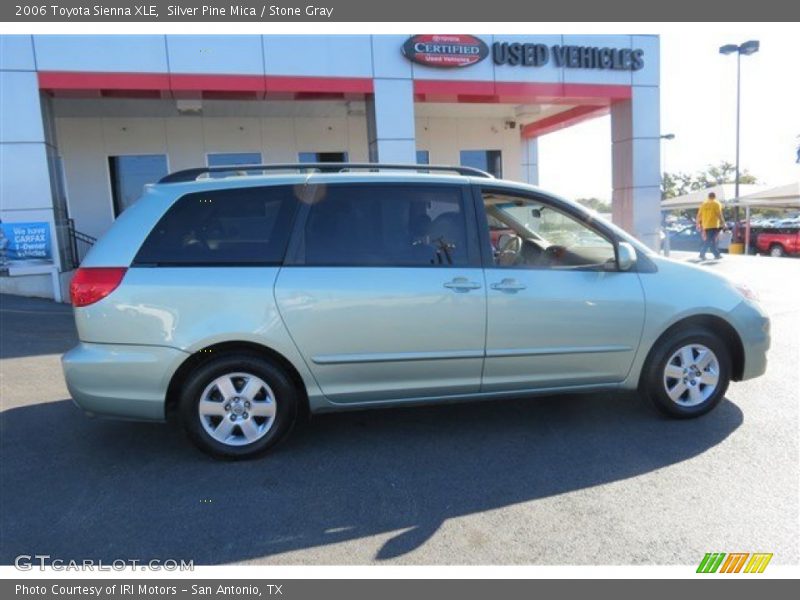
point(91, 284)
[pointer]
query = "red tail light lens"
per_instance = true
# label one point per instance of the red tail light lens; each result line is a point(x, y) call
point(91, 284)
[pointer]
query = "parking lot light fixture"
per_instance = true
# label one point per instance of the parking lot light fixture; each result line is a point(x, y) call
point(747, 48)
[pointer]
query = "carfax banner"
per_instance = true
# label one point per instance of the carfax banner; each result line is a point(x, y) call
point(25, 244)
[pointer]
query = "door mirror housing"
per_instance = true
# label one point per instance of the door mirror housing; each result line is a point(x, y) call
point(626, 256)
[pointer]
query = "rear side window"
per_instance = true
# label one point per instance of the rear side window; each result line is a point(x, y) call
point(386, 225)
point(223, 227)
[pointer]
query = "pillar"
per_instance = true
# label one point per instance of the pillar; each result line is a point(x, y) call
point(530, 160)
point(636, 146)
point(27, 153)
point(390, 122)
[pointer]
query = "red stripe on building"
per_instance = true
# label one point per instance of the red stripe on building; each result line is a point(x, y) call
point(340, 85)
point(513, 92)
point(183, 85)
point(563, 120)
point(592, 100)
point(77, 80)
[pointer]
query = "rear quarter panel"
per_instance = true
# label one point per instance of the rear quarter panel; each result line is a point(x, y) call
point(191, 308)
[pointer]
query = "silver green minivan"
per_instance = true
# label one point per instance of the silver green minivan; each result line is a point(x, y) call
point(237, 301)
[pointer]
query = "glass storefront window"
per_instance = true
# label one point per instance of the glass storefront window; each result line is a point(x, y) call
point(129, 174)
point(490, 161)
point(224, 159)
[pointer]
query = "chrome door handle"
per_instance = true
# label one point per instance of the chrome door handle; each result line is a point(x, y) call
point(509, 285)
point(462, 284)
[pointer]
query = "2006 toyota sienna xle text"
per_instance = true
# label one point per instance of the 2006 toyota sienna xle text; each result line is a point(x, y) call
point(237, 302)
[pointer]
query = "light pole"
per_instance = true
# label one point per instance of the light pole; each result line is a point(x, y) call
point(747, 48)
point(665, 136)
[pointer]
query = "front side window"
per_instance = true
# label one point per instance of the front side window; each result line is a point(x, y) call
point(386, 225)
point(528, 233)
point(242, 226)
point(129, 174)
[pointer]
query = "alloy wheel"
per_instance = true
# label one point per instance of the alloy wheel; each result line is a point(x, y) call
point(237, 409)
point(691, 375)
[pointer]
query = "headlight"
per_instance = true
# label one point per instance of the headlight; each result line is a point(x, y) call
point(745, 291)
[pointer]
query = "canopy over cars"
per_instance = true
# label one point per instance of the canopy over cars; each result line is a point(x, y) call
point(753, 196)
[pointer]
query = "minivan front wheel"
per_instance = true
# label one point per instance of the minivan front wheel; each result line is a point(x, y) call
point(237, 406)
point(687, 375)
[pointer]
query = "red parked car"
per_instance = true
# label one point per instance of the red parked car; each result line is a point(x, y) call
point(779, 242)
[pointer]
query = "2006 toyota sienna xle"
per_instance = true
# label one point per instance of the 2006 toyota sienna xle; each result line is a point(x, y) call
point(238, 301)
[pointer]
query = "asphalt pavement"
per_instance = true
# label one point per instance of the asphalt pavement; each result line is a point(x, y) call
point(600, 479)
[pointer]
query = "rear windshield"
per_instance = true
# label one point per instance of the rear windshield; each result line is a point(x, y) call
point(223, 227)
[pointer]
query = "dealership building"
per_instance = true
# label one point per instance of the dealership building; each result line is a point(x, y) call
point(87, 121)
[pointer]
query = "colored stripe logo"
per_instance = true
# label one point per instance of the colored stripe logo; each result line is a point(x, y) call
point(734, 562)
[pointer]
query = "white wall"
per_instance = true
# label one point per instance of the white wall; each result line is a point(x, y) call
point(445, 137)
point(86, 143)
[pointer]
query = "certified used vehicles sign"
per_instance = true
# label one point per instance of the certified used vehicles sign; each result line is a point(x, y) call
point(445, 51)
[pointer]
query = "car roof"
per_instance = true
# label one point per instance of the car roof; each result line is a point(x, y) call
point(311, 178)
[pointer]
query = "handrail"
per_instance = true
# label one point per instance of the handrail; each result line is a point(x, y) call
point(76, 236)
point(193, 174)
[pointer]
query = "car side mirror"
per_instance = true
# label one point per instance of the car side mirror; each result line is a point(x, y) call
point(626, 256)
point(536, 213)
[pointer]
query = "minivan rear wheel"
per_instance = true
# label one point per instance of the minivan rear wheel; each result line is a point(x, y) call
point(688, 373)
point(237, 406)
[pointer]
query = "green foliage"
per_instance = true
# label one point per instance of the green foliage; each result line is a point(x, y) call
point(678, 184)
point(600, 206)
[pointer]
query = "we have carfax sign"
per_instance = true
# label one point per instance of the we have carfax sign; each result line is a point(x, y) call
point(25, 244)
point(458, 51)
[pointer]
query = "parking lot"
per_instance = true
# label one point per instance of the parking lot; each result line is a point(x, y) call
point(599, 479)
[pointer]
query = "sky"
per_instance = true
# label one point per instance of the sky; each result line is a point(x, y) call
point(698, 105)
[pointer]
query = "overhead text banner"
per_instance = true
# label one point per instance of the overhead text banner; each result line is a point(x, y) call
point(407, 10)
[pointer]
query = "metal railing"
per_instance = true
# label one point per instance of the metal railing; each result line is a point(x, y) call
point(79, 244)
point(192, 174)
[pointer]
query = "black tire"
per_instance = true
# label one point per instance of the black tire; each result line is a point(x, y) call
point(286, 399)
point(652, 384)
point(776, 250)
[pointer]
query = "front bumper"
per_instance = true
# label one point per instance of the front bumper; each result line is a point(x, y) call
point(753, 326)
point(123, 381)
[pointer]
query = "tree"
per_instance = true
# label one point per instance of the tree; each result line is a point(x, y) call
point(678, 184)
point(600, 206)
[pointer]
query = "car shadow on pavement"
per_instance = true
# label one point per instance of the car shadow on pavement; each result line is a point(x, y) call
point(78, 488)
point(35, 326)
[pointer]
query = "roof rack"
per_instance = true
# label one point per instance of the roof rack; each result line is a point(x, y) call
point(193, 174)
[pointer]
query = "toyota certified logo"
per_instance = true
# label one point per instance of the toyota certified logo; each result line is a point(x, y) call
point(445, 51)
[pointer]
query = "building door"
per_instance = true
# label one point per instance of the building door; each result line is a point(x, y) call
point(490, 161)
point(323, 157)
point(130, 173)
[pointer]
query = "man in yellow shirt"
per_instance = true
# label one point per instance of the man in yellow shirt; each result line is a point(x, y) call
point(710, 222)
